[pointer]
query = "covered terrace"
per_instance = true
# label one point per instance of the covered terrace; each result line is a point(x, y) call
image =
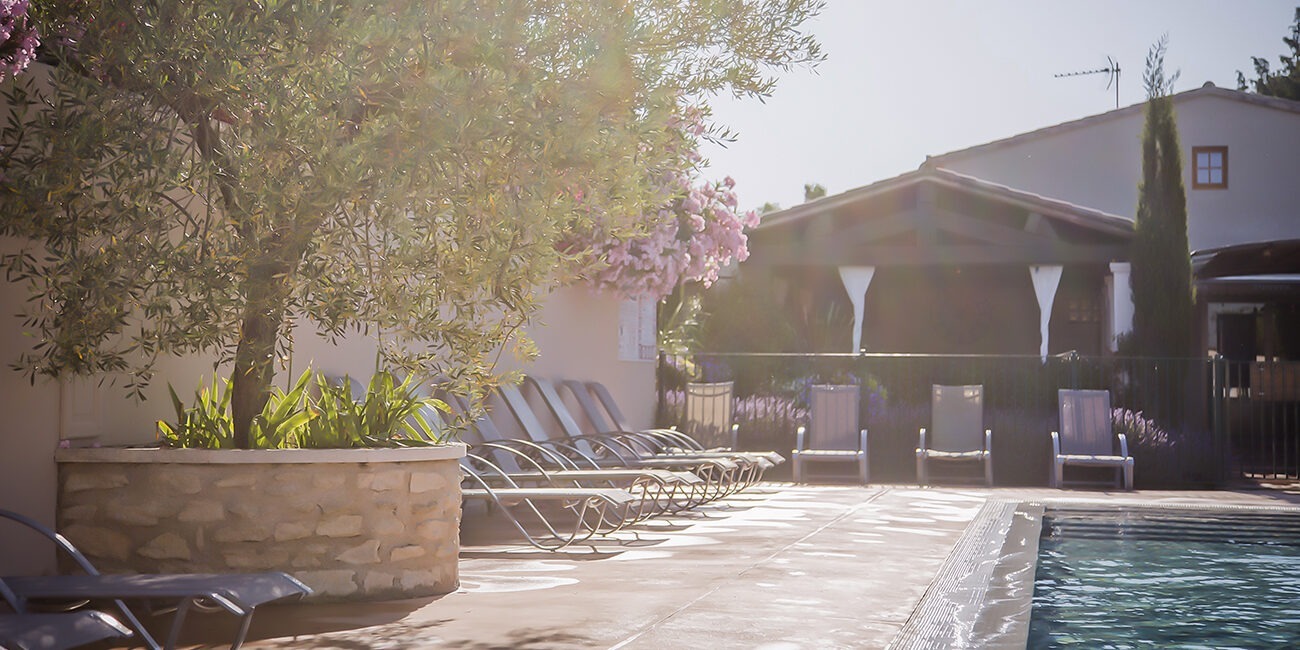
point(940, 262)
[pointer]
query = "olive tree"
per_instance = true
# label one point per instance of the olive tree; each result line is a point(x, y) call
point(198, 175)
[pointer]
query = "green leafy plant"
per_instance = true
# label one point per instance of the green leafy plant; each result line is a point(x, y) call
point(285, 416)
point(207, 424)
point(388, 414)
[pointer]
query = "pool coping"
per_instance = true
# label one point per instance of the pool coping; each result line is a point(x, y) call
point(982, 595)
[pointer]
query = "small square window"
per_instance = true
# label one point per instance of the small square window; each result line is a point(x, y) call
point(1209, 168)
point(1084, 310)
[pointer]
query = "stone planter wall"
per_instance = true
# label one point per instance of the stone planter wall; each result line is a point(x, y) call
point(353, 524)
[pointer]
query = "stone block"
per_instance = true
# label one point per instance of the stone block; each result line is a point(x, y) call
point(290, 530)
point(167, 546)
point(330, 583)
point(449, 576)
point(330, 481)
point(79, 481)
point(422, 482)
point(420, 579)
point(309, 556)
point(435, 531)
point(378, 582)
point(243, 479)
point(247, 508)
point(248, 532)
point(178, 483)
point(366, 552)
point(408, 552)
point(340, 526)
point(202, 512)
point(100, 542)
point(85, 511)
point(131, 515)
point(256, 559)
point(289, 485)
point(387, 524)
point(393, 479)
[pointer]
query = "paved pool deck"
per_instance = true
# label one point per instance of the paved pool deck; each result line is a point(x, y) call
point(777, 567)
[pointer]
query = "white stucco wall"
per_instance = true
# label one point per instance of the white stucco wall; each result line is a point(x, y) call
point(576, 333)
point(1099, 164)
point(577, 336)
point(29, 431)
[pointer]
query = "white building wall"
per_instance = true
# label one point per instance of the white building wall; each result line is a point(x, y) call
point(1099, 164)
point(577, 336)
point(29, 433)
point(576, 332)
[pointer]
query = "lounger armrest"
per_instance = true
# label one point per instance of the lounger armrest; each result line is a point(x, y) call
point(610, 446)
point(862, 440)
point(798, 437)
point(1123, 445)
point(520, 457)
point(59, 540)
point(1056, 445)
point(921, 449)
point(988, 440)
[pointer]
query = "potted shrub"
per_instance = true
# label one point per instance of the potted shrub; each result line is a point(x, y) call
point(358, 496)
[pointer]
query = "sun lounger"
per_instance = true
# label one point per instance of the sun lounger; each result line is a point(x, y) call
point(832, 434)
point(58, 631)
point(719, 473)
point(956, 433)
point(752, 465)
point(707, 401)
point(593, 511)
point(1088, 436)
point(237, 593)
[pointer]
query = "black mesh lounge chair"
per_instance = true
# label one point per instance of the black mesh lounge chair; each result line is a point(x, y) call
point(956, 431)
point(237, 593)
point(530, 464)
point(719, 474)
point(28, 631)
point(602, 450)
point(832, 433)
point(58, 631)
point(585, 394)
point(1088, 436)
point(752, 464)
point(708, 413)
point(592, 511)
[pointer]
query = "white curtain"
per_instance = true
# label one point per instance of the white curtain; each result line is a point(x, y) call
point(857, 279)
point(1046, 279)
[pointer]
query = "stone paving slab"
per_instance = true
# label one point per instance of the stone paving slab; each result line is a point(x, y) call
point(780, 567)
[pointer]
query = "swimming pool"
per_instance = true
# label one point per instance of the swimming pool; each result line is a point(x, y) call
point(1097, 575)
point(1167, 578)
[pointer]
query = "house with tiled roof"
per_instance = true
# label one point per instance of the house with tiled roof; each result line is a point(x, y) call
point(1020, 245)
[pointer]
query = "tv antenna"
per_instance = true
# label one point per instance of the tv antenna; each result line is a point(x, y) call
point(1111, 70)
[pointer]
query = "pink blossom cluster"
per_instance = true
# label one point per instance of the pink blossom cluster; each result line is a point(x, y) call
point(18, 38)
point(691, 239)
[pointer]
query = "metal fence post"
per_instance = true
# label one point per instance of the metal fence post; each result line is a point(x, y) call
point(1072, 358)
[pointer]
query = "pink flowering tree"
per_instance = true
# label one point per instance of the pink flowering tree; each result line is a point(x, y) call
point(18, 38)
point(689, 240)
point(696, 232)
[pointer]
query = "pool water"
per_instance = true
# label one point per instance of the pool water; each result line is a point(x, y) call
point(1167, 578)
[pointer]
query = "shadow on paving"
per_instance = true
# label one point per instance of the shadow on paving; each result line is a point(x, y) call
point(304, 625)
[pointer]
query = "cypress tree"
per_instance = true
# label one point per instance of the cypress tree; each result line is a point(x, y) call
point(1161, 266)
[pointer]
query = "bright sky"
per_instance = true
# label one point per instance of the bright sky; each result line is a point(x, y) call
point(907, 78)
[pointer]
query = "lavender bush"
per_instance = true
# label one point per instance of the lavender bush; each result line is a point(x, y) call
point(1143, 433)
